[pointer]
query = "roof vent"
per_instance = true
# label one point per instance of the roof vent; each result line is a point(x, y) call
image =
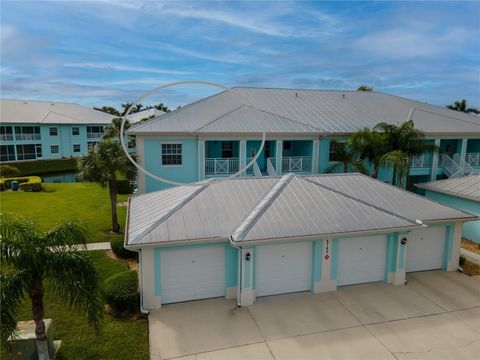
point(343, 96)
point(296, 94)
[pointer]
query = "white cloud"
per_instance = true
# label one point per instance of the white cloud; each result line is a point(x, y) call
point(120, 67)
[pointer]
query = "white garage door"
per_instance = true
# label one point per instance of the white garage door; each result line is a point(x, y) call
point(361, 260)
point(425, 249)
point(283, 268)
point(192, 273)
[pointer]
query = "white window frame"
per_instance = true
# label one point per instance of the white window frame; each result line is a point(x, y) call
point(79, 148)
point(50, 131)
point(161, 154)
point(58, 149)
point(78, 129)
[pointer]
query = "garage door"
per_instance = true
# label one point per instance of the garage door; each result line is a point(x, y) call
point(192, 273)
point(425, 249)
point(361, 260)
point(283, 268)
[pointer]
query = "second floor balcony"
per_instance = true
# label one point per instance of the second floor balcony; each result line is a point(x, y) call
point(27, 137)
point(221, 166)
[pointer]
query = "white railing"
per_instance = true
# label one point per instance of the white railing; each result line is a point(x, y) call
point(270, 167)
point(417, 161)
point(466, 168)
point(6, 137)
point(219, 166)
point(297, 164)
point(256, 170)
point(450, 167)
point(472, 159)
point(95, 135)
point(27, 137)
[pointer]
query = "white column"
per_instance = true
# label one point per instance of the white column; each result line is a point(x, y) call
point(242, 155)
point(201, 159)
point(139, 144)
point(246, 293)
point(399, 277)
point(278, 156)
point(326, 257)
point(315, 155)
point(147, 279)
point(435, 159)
point(455, 241)
point(463, 150)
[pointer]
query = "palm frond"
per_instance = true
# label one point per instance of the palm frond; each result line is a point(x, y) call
point(67, 236)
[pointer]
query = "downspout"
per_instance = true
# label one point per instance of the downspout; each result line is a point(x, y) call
point(142, 309)
point(230, 240)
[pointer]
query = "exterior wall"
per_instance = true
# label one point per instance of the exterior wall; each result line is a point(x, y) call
point(64, 140)
point(471, 229)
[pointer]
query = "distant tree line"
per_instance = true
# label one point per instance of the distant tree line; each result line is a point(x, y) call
point(137, 108)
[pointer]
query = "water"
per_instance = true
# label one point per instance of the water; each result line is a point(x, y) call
point(63, 177)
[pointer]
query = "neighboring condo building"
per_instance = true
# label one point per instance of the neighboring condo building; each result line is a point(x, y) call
point(38, 130)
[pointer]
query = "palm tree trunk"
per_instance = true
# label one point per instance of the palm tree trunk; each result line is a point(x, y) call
point(376, 168)
point(394, 179)
point(36, 295)
point(112, 189)
point(345, 167)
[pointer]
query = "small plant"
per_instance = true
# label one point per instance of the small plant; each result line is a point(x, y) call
point(462, 260)
point(121, 292)
point(27, 183)
point(119, 250)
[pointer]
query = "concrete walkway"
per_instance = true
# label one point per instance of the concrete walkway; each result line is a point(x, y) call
point(435, 316)
point(99, 246)
point(470, 256)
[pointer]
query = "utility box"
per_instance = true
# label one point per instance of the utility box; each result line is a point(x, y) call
point(24, 344)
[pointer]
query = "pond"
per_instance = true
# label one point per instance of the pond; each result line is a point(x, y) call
point(62, 177)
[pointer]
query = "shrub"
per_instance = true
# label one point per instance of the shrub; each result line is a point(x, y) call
point(121, 292)
point(117, 247)
point(124, 187)
point(7, 171)
point(28, 183)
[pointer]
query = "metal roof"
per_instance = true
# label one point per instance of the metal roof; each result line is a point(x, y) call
point(467, 187)
point(42, 112)
point(254, 110)
point(292, 206)
point(140, 115)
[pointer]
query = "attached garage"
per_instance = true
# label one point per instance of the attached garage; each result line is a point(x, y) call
point(425, 248)
point(192, 273)
point(361, 260)
point(283, 268)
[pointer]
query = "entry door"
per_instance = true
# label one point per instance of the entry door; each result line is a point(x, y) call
point(192, 273)
point(425, 248)
point(283, 268)
point(361, 260)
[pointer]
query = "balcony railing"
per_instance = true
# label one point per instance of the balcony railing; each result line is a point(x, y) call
point(271, 167)
point(472, 159)
point(219, 166)
point(96, 135)
point(6, 137)
point(297, 164)
point(27, 137)
point(419, 161)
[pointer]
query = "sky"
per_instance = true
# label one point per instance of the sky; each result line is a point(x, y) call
point(111, 52)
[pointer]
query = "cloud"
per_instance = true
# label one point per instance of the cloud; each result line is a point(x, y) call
point(121, 67)
point(232, 58)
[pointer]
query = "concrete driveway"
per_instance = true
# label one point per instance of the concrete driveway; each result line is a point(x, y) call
point(435, 316)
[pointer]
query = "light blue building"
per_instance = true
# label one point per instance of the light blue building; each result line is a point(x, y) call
point(37, 130)
point(462, 193)
point(218, 135)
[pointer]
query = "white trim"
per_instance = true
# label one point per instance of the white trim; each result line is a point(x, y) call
point(181, 154)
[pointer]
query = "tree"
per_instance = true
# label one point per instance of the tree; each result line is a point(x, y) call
point(112, 130)
point(108, 110)
point(135, 109)
point(347, 159)
point(7, 171)
point(31, 258)
point(365, 88)
point(103, 164)
point(402, 141)
point(371, 145)
point(462, 107)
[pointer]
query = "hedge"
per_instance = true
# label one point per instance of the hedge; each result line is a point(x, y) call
point(117, 247)
point(27, 183)
point(121, 291)
point(124, 187)
point(40, 167)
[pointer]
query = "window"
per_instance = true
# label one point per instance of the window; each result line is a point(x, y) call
point(94, 132)
point(26, 133)
point(333, 156)
point(7, 153)
point(287, 145)
point(6, 133)
point(54, 149)
point(171, 154)
point(76, 148)
point(227, 149)
point(75, 131)
point(29, 152)
point(53, 131)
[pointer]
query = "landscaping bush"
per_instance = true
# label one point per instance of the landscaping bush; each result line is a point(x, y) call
point(7, 171)
point(28, 183)
point(117, 247)
point(121, 292)
point(124, 187)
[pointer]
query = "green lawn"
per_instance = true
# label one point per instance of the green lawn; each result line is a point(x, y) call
point(119, 338)
point(45, 166)
point(85, 202)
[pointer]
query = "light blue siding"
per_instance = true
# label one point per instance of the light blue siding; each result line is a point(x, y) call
point(158, 285)
point(391, 261)
point(471, 229)
point(447, 253)
point(317, 262)
point(231, 266)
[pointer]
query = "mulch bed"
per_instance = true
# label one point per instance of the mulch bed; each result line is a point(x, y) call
point(470, 268)
point(471, 246)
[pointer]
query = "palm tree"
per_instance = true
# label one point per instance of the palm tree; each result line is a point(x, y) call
point(462, 107)
point(29, 258)
point(112, 130)
point(135, 109)
point(103, 164)
point(371, 145)
point(402, 141)
point(347, 159)
point(365, 88)
point(108, 109)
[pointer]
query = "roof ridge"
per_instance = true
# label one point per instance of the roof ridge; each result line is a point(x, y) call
point(413, 221)
point(220, 116)
point(261, 207)
point(447, 116)
point(148, 229)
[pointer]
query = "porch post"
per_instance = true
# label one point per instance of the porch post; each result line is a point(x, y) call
point(315, 155)
point(278, 157)
point(246, 293)
point(395, 264)
point(435, 159)
point(242, 155)
point(463, 150)
point(453, 238)
point(201, 159)
point(323, 278)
